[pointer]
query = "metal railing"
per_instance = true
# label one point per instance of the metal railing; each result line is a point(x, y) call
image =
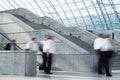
point(63, 45)
point(4, 40)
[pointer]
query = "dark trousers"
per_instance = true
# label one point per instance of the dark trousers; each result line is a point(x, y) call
point(100, 62)
point(103, 62)
point(47, 61)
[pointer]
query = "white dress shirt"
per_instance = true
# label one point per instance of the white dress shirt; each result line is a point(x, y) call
point(106, 45)
point(12, 46)
point(97, 43)
point(49, 45)
point(33, 46)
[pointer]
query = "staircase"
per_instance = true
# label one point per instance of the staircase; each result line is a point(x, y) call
point(116, 62)
point(80, 43)
point(32, 24)
point(71, 38)
point(4, 40)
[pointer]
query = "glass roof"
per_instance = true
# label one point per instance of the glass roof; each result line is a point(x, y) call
point(86, 14)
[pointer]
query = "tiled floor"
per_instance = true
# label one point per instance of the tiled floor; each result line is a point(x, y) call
point(63, 76)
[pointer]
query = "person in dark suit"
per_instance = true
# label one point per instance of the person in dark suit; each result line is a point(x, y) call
point(11, 45)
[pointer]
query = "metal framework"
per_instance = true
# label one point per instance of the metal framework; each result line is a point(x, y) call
point(86, 14)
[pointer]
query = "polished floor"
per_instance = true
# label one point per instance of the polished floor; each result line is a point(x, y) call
point(63, 76)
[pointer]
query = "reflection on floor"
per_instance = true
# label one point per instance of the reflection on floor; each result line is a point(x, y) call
point(63, 76)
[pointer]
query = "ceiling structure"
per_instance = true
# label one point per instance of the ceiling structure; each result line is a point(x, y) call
point(86, 14)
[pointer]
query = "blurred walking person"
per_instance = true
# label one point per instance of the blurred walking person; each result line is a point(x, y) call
point(11, 46)
point(97, 46)
point(41, 44)
point(48, 51)
point(32, 45)
point(107, 52)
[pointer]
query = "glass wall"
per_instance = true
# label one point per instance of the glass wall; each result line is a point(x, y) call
point(86, 14)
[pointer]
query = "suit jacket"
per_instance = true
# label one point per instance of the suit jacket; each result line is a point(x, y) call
point(7, 47)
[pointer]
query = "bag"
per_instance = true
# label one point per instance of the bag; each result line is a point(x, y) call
point(112, 54)
point(41, 47)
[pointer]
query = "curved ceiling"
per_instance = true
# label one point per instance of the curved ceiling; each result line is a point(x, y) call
point(86, 14)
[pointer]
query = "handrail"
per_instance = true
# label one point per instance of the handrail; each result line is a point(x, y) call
point(9, 40)
point(47, 21)
point(58, 36)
